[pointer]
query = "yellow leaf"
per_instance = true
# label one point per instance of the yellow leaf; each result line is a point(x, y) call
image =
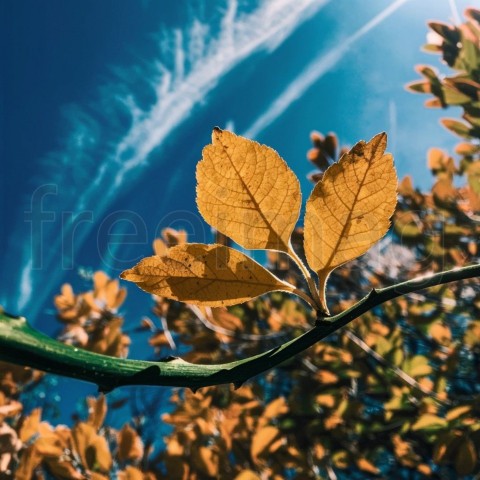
point(367, 466)
point(210, 275)
point(206, 460)
point(262, 439)
point(429, 422)
point(246, 191)
point(83, 434)
point(130, 446)
point(131, 473)
point(276, 408)
point(97, 409)
point(340, 459)
point(30, 425)
point(350, 208)
point(98, 454)
point(247, 475)
point(440, 333)
point(97, 476)
point(424, 469)
point(457, 412)
point(326, 400)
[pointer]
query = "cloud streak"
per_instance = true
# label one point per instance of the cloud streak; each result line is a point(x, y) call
point(314, 71)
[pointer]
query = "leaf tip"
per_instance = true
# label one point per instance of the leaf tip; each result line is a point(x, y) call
point(216, 133)
point(380, 139)
point(125, 274)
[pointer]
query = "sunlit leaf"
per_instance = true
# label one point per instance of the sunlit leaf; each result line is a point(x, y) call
point(83, 434)
point(247, 475)
point(276, 408)
point(246, 191)
point(205, 459)
point(262, 439)
point(457, 412)
point(367, 466)
point(340, 459)
point(440, 333)
point(30, 425)
point(97, 409)
point(473, 175)
point(350, 208)
point(429, 422)
point(98, 454)
point(326, 400)
point(419, 86)
point(459, 128)
point(438, 160)
point(417, 366)
point(130, 445)
point(211, 275)
point(453, 96)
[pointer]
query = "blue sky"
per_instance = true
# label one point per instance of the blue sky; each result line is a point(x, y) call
point(107, 105)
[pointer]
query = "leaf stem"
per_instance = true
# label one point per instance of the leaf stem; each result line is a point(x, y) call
point(21, 344)
point(308, 277)
point(300, 293)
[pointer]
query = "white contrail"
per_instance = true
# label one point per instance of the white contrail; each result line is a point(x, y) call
point(455, 13)
point(199, 63)
point(314, 71)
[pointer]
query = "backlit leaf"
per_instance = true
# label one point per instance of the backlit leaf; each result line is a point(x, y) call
point(206, 460)
point(459, 128)
point(246, 191)
point(457, 412)
point(473, 175)
point(262, 439)
point(429, 422)
point(130, 446)
point(247, 475)
point(350, 208)
point(367, 466)
point(97, 409)
point(210, 275)
point(30, 425)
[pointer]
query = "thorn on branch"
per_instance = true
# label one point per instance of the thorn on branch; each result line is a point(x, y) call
point(373, 293)
point(168, 358)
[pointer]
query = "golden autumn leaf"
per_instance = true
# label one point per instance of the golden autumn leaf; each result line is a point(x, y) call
point(130, 445)
point(367, 466)
point(206, 460)
point(209, 275)
point(131, 473)
point(97, 409)
point(457, 412)
point(276, 408)
point(30, 425)
point(98, 454)
point(350, 208)
point(262, 439)
point(246, 191)
point(247, 475)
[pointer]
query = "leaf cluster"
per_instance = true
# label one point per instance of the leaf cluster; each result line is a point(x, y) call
point(247, 192)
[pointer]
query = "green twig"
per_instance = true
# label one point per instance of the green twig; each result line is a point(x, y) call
point(21, 344)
